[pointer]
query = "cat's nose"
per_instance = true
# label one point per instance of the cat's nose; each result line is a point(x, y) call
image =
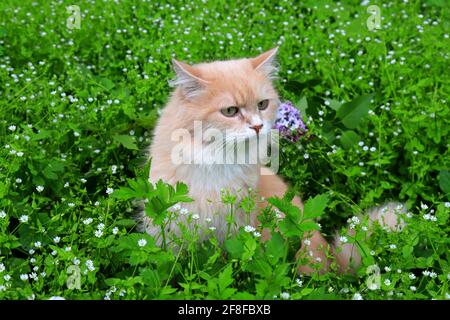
point(257, 127)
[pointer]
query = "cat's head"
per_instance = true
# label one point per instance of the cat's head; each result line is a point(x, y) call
point(236, 96)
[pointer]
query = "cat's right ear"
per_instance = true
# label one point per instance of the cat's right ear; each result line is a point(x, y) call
point(266, 62)
point(188, 79)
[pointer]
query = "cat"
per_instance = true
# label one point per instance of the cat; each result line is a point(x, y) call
point(239, 97)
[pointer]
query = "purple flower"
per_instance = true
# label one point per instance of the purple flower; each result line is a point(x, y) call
point(289, 122)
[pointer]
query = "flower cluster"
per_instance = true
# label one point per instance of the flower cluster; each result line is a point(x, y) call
point(289, 122)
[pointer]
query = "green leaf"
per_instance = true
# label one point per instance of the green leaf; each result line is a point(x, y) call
point(124, 193)
point(106, 83)
point(127, 141)
point(290, 228)
point(315, 207)
point(125, 222)
point(243, 296)
point(407, 250)
point(151, 278)
point(275, 248)
point(234, 247)
point(226, 278)
point(334, 104)
point(259, 267)
point(3, 189)
point(302, 105)
point(52, 168)
point(249, 249)
point(353, 112)
point(308, 226)
point(444, 181)
point(349, 138)
point(285, 206)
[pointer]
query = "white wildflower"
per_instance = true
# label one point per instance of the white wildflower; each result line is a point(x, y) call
point(285, 295)
point(90, 265)
point(98, 233)
point(249, 229)
point(355, 220)
point(343, 239)
point(357, 296)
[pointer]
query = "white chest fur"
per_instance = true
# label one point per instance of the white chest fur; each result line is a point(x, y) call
point(206, 184)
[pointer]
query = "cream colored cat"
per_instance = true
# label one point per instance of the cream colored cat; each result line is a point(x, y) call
point(236, 96)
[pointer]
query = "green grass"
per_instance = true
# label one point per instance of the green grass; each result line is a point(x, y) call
point(77, 108)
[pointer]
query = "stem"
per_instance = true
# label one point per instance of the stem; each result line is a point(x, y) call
point(163, 234)
point(174, 264)
point(230, 222)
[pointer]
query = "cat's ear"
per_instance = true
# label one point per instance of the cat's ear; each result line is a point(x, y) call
point(188, 79)
point(266, 62)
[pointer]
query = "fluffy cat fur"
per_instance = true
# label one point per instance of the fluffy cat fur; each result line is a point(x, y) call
point(201, 91)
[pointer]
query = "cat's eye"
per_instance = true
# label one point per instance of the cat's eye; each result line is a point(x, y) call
point(230, 111)
point(263, 104)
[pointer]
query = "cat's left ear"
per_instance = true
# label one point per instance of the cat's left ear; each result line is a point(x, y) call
point(266, 62)
point(188, 78)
